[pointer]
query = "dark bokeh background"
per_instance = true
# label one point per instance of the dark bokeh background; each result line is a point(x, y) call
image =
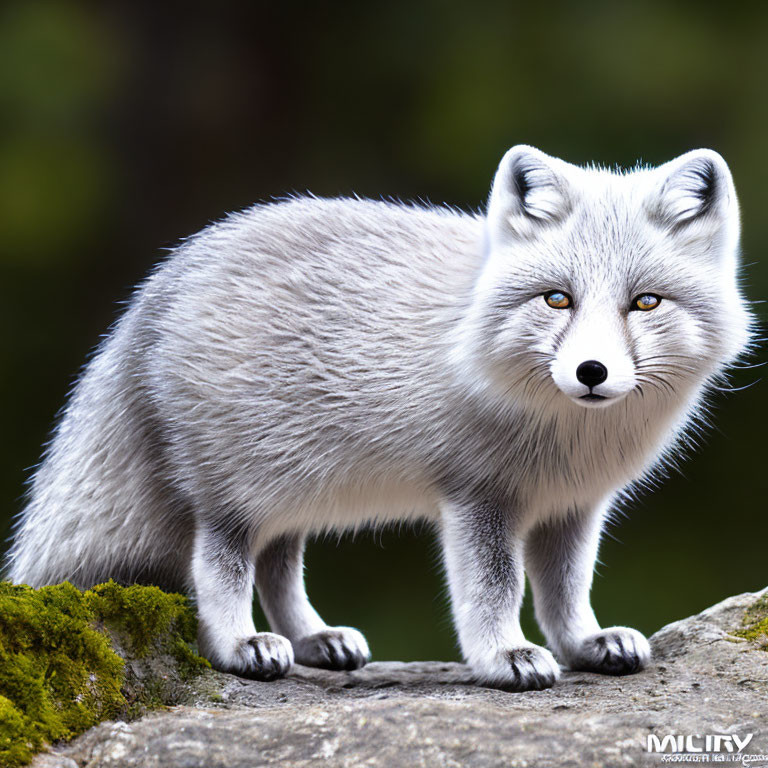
point(125, 126)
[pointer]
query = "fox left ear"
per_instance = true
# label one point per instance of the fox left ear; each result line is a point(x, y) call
point(696, 196)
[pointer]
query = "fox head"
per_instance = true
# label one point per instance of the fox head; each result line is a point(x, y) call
point(599, 286)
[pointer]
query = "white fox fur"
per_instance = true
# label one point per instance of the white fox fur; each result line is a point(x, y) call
point(326, 364)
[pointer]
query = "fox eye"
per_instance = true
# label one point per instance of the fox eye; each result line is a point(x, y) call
point(646, 302)
point(558, 299)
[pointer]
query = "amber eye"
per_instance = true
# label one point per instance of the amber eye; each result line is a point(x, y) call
point(557, 299)
point(646, 301)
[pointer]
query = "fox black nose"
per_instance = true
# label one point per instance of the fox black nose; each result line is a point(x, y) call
point(591, 373)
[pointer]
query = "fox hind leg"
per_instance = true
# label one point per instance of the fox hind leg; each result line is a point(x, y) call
point(223, 573)
point(280, 582)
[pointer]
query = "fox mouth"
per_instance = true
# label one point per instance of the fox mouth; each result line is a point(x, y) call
point(593, 401)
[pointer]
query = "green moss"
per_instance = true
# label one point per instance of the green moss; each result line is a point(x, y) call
point(17, 745)
point(59, 674)
point(146, 616)
point(755, 623)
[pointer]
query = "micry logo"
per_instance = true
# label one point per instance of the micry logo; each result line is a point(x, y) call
point(713, 742)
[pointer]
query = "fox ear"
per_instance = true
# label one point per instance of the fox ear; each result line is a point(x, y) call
point(529, 191)
point(695, 195)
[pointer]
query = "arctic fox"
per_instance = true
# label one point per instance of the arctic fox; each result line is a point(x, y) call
point(327, 364)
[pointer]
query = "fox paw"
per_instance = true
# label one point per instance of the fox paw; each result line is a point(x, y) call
point(333, 648)
point(613, 651)
point(524, 668)
point(265, 656)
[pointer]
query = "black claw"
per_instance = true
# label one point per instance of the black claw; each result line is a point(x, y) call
point(257, 652)
point(334, 657)
point(515, 672)
point(349, 658)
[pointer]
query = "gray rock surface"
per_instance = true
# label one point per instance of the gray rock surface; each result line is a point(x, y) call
point(702, 681)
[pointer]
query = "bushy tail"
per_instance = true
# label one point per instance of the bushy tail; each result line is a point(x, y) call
point(100, 504)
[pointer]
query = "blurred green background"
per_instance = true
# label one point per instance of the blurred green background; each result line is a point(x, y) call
point(125, 126)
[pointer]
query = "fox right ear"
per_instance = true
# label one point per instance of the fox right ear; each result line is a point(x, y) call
point(529, 191)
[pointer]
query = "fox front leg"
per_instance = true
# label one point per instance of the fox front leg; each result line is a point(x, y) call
point(483, 558)
point(560, 558)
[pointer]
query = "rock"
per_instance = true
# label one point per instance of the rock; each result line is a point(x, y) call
point(703, 680)
point(54, 761)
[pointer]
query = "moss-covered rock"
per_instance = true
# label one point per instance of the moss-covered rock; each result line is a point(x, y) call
point(755, 623)
point(63, 659)
point(147, 619)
